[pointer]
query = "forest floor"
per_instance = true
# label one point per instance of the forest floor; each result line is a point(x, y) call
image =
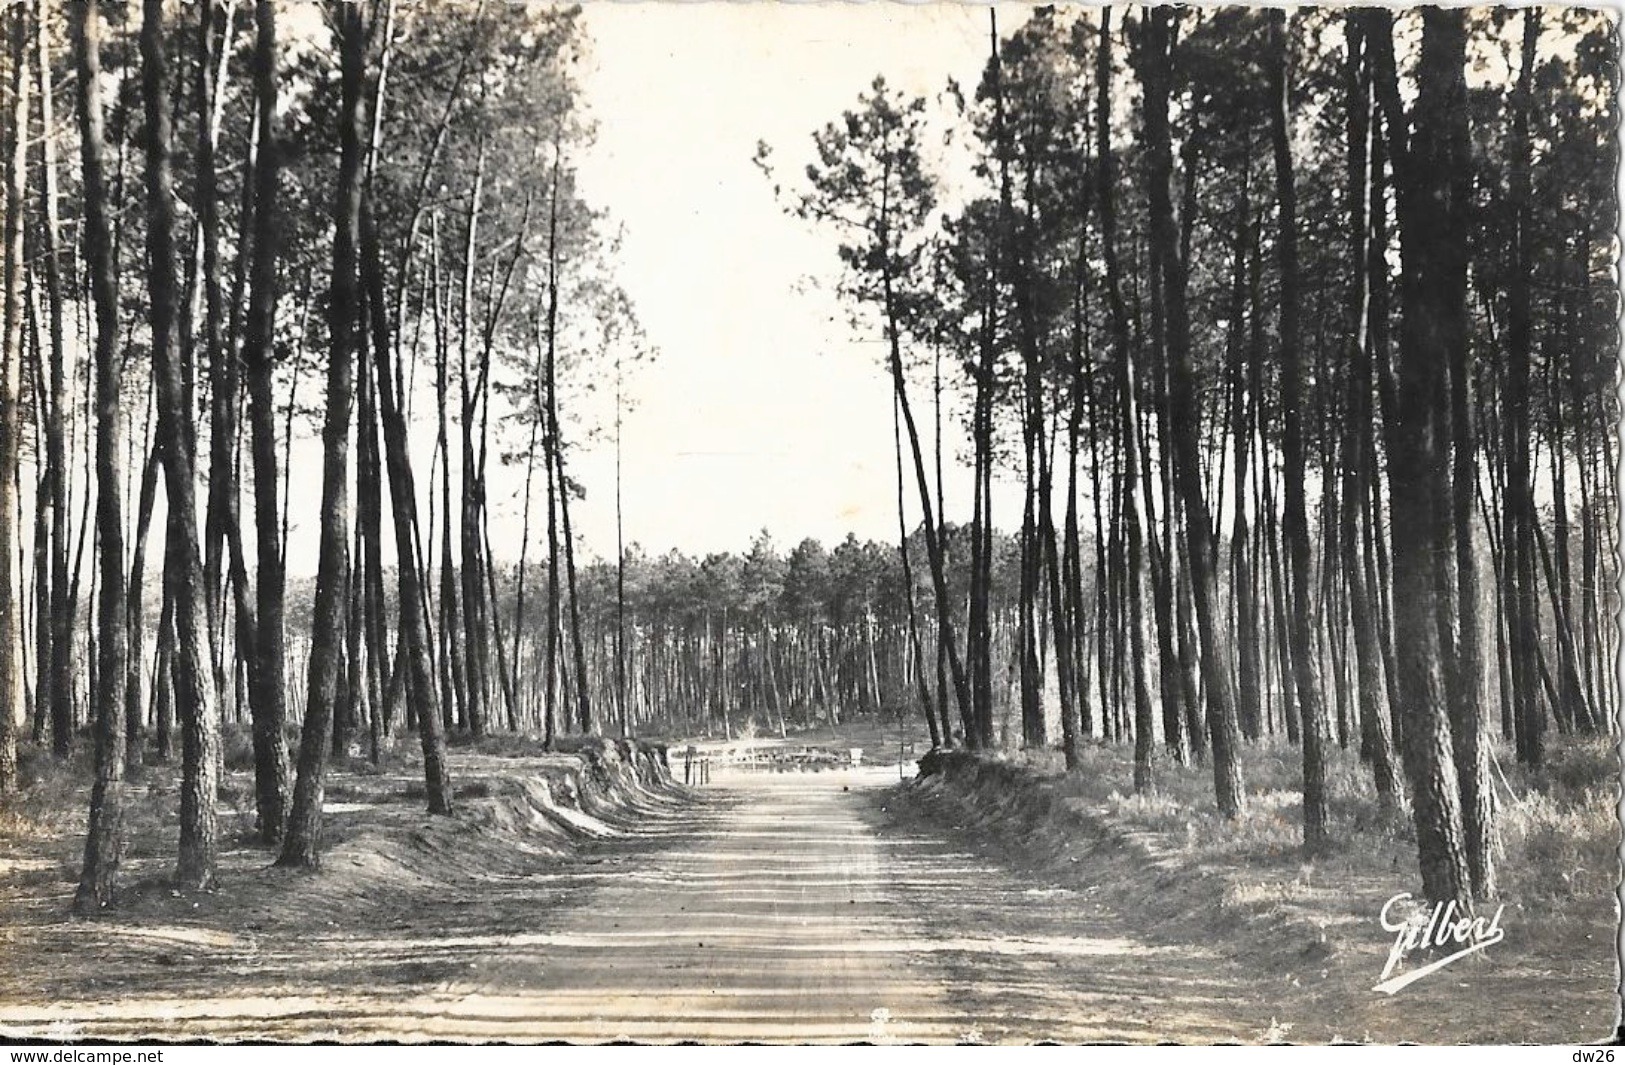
point(776, 907)
point(398, 908)
point(1308, 928)
point(572, 898)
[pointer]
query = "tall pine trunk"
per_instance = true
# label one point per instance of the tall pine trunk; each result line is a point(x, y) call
point(99, 874)
point(133, 695)
point(1519, 516)
point(225, 378)
point(56, 687)
point(302, 847)
point(1433, 294)
point(414, 653)
point(266, 697)
point(476, 638)
point(1468, 729)
point(1304, 658)
point(1376, 736)
point(1157, 53)
point(11, 349)
point(193, 678)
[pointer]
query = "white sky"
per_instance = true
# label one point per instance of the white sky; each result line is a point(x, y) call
point(764, 409)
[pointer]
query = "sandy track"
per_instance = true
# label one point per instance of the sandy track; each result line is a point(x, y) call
point(776, 908)
point(766, 917)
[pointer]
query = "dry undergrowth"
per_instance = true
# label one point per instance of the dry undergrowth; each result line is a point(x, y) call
point(1559, 825)
point(1309, 922)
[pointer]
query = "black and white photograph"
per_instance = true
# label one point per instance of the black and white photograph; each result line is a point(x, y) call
point(808, 523)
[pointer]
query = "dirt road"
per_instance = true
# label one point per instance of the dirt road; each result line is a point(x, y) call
point(777, 907)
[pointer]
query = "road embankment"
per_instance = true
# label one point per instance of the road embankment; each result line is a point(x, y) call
point(1028, 818)
point(512, 809)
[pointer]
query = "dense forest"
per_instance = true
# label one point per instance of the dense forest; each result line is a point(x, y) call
point(222, 221)
point(1300, 328)
point(1297, 329)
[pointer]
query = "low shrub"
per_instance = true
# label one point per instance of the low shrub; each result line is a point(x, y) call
point(237, 747)
point(1555, 850)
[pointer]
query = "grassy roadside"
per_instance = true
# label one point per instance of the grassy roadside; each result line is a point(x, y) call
point(1309, 924)
point(387, 868)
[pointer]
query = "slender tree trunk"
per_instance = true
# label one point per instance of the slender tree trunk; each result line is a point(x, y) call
point(1066, 677)
point(1250, 697)
point(453, 675)
point(536, 419)
point(558, 482)
point(1376, 739)
point(415, 662)
point(12, 701)
point(98, 877)
point(917, 655)
point(1120, 475)
point(214, 22)
point(1304, 658)
point(933, 534)
point(584, 716)
point(302, 846)
point(1080, 373)
point(1157, 47)
point(12, 656)
point(476, 638)
point(57, 690)
point(36, 650)
point(194, 682)
point(369, 525)
point(494, 627)
point(134, 699)
point(267, 701)
point(1433, 291)
point(551, 703)
point(1176, 650)
point(163, 695)
point(977, 720)
point(1468, 730)
point(1133, 446)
